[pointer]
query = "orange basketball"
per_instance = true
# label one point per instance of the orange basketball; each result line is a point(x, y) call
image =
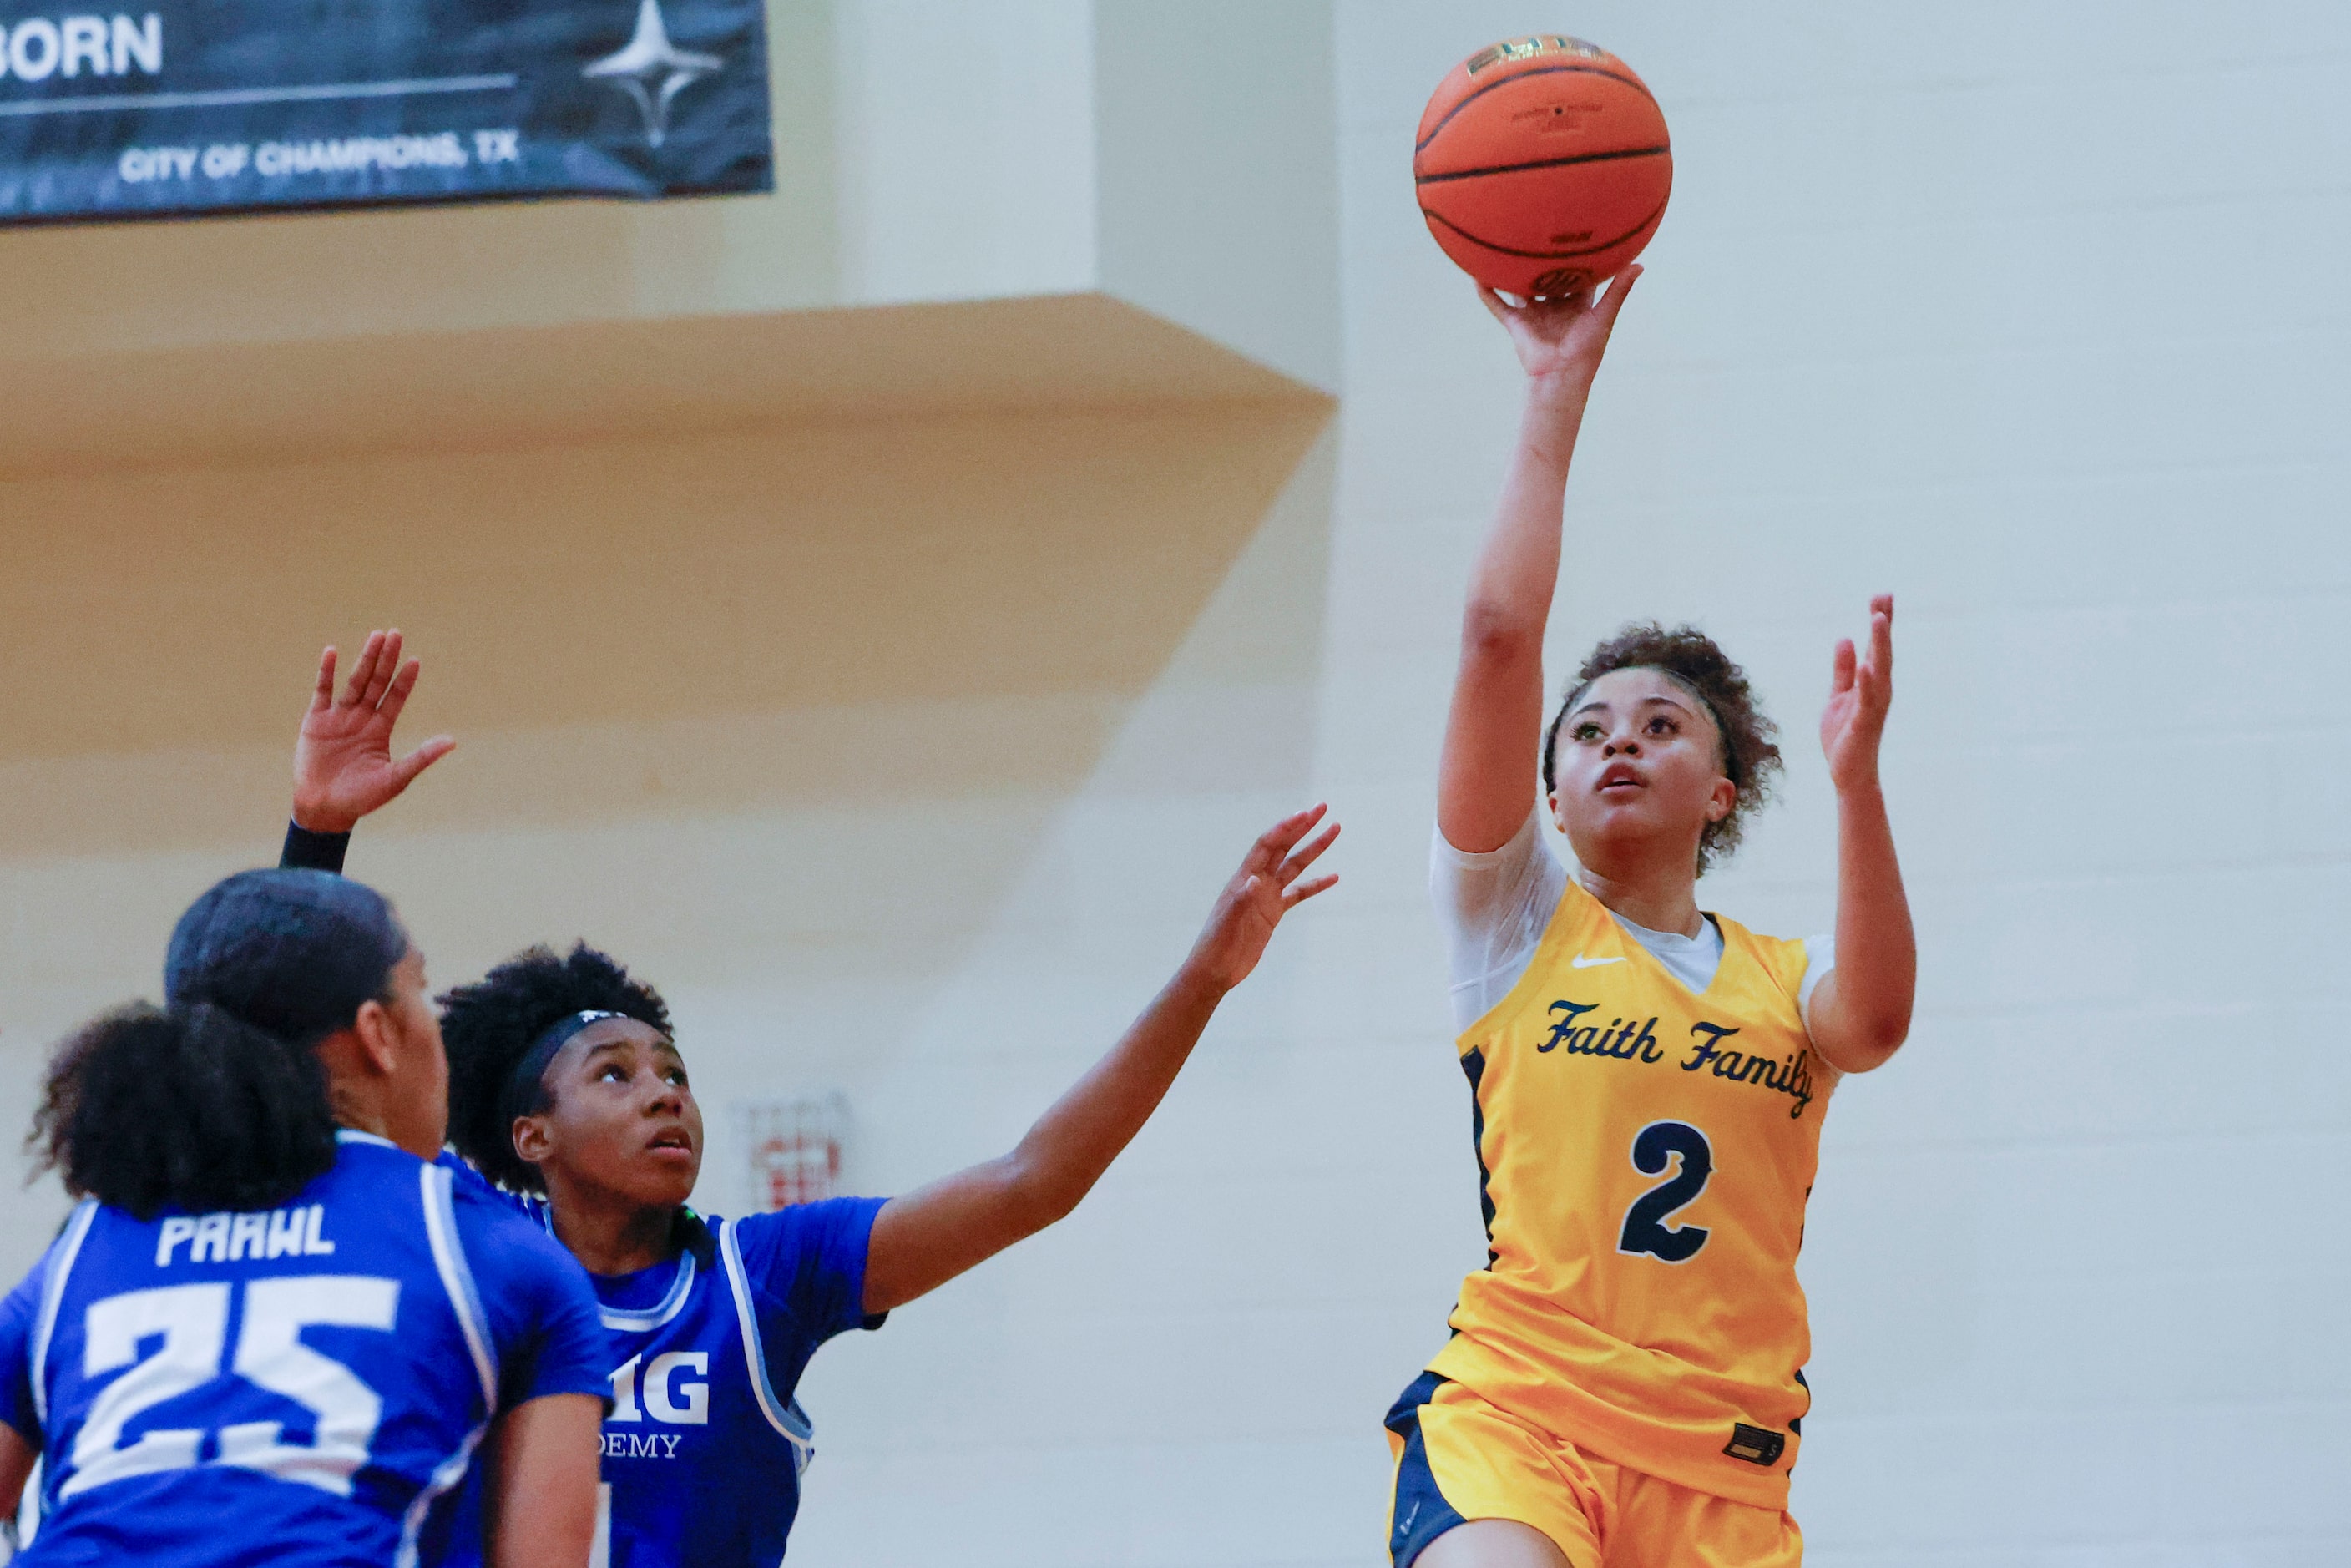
point(1542, 165)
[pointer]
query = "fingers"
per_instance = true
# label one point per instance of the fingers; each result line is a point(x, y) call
point(1841, 668)
point(403, 684)
point(1619, 287)
point(404, 771)
point(1881, 636)
point(387, 666)
point(364, 668)
point(1306, 890)
point(1296, 864)
point(1283, 837)
point(322, 695)
point(375, 676)
point(1533, 306)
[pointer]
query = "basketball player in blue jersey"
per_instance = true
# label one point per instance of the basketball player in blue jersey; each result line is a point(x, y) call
point(274, 1332)
point(567, 1086)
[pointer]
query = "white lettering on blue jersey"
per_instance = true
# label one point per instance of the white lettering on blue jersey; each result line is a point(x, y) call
point(194, 1413)
point(234, 1238)
point(704, 1445)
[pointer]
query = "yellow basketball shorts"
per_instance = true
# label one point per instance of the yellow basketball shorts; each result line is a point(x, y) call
point(1460, 1459)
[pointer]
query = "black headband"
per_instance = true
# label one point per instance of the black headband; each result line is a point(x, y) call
point(521, 1092)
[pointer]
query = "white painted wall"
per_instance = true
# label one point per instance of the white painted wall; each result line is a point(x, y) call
point(965, 149)
point(1219, 208)
point(2031, 314)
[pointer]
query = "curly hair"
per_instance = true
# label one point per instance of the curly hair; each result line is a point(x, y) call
point(1743, 735)
point(218, 1101)
point(191, 1109)
point(490, 1026)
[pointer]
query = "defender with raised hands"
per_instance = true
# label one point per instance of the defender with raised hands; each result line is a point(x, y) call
point(1624, 1387)
point(568, 1089)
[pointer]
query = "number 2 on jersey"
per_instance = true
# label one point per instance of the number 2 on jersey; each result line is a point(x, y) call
point(1645, 1229)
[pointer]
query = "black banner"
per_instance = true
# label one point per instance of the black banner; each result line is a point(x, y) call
point(169, 106)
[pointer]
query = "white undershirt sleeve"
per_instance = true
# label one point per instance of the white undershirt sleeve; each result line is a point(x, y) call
point(1819, 957)
point(1494, 908)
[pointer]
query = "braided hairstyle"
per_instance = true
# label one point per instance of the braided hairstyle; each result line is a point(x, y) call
point(1744, 734)
point(490, 1026)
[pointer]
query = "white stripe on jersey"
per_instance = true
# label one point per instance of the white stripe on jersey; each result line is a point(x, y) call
point(52, 1289)
point(457, 1281)
point(447, 1474)
point(449, 1257)
point(624, 1319)
point(787, 1420)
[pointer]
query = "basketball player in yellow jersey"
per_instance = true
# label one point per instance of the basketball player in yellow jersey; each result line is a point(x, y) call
point(1624, 1387)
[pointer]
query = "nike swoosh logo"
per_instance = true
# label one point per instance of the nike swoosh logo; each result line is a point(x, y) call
point(1581, 962)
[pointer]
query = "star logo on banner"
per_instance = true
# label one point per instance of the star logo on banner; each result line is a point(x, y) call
point(652, 69)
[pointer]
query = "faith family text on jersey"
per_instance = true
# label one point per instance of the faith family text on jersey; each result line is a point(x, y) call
point(1623, 1040)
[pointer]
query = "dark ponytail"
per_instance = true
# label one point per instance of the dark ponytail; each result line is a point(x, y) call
point(189, 1108)
point(217, 1101)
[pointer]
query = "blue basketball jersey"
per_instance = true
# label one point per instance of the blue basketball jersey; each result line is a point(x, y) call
point(298, 1387)
point(704, 1442)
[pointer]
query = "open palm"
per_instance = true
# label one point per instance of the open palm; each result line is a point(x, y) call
point(1860, 692)
point(343, 766)
point(1264, 889)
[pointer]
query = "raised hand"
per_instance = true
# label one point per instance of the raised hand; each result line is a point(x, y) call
point(343, 766)
point(1564, 337)
point(1266, 888)
point(927, 1236)
point(1860, 691)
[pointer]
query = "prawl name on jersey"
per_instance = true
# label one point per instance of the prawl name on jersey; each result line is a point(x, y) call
point(234, 1238)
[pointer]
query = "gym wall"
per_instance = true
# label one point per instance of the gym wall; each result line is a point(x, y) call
point(883, 612)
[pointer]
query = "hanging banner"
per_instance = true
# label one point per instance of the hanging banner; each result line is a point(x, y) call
point(180, 106)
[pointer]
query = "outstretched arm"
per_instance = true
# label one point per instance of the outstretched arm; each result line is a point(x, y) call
point(1482, 785)
point(926, 1237)
point(343, 766)
point(1861, 1013)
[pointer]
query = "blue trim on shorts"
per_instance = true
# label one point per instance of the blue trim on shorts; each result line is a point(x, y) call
point(1421, 1514)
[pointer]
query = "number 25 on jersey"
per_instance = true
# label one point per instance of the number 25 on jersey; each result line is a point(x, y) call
point(193, 1323)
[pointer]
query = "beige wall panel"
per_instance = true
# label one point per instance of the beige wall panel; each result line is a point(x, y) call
point(751, 574)
point(493, 389)
point(774, 712)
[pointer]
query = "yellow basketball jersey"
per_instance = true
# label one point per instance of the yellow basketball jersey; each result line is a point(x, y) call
point(1646, 1153)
